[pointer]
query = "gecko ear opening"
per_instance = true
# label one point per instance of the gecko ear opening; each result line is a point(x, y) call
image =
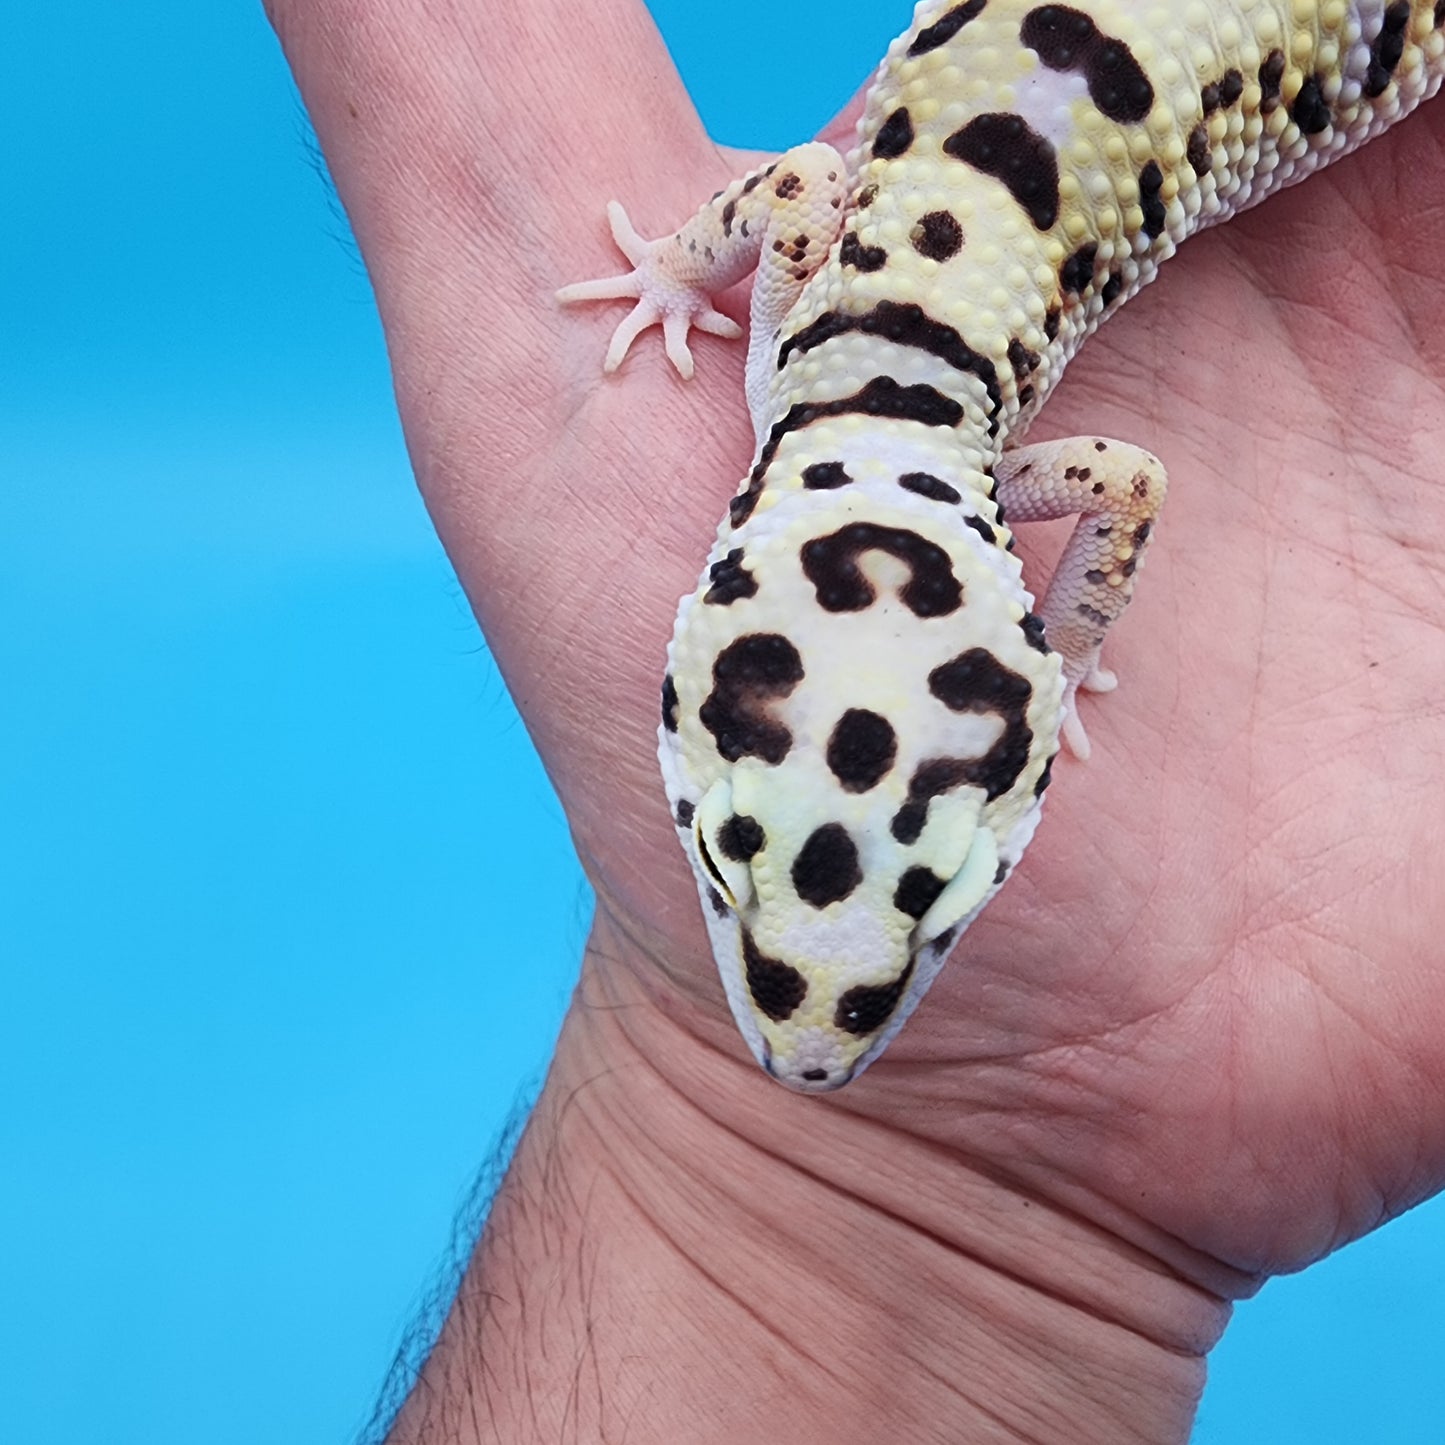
point(965, 891)
point(733, 878)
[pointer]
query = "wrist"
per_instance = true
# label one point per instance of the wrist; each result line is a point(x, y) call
point(683, 1251)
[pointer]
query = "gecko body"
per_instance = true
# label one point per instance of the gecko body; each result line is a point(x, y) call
point(862, 703)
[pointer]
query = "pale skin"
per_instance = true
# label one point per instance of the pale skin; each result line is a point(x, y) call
point(1200, 1037)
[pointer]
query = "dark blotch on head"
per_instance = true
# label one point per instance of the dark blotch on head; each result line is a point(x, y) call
point(945, 27)
point(831, 565)
point(777, 988)
point(1051, 323)
point(937, 235)
point(861, 749)
point(1006, 147)
point(730, 580)
point(824, 476)
point(749, 673)
point(868, 1007)
point(908, 821)
point(1111, 288)
point(927, 485)
point(719, 903)
point(728, 212)
point(741, 838)
point(1308, 110)
point(669, 703)
point(917, 890)
point(894, 136)
point(684, 813)
point(826, 869)
point(1231, 85)
point(862, 258)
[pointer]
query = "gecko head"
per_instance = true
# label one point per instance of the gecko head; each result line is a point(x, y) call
point(826, 933)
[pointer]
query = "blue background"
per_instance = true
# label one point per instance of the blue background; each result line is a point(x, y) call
point(271, 976)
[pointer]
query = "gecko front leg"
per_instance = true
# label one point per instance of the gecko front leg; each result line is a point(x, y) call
point(780, 220)
point(1116, 491)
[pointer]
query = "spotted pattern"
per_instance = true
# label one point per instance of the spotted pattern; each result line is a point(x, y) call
point(831, 564)
point(827, 869)
point(749, 674)
point(861, 749)
point(741, 838)
point(895, 135)
point(1387, 48)
point(925, 484)
point(977, 682)
point(776, 987)
point(824, 476)
point(917, 890)
point(865, 1009)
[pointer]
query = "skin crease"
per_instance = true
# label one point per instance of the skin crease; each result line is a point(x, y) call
point(1198, 1039)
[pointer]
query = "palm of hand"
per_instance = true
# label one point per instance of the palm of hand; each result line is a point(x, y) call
point(1210, 997)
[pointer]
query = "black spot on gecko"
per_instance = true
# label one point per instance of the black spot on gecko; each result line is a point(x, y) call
point(741, 838)
point(752, 183)
point(983, 529)
point(945, 27)
point(669, 703)
point(1026, 395)
point(1271, 74)
point(1021, 358)
point(1231, 87)
point(944, 941)
point(917, 891)
point(1045, 778)
point(861, 749)
point(684, 813)
point(1141, 533)
point(1033, 630)
point(909, 325)
point(728, 212)
point(1209, 98)
point(789, 186)
point(1111, 288)
point(863, 258)
point(1387, 48)
point(866, 196)
point(1308, 109)
point(741, 506)
point(831, 565)
point(1067, 39)
point(1198, 151)
point(866, 1008)
point(749, 674)
point(895, 135)
point(908, 821)
point(1439, 15)
point(1007, 148)
point(977, 682)
point(927, 485)
point(1051, 323)
point(731, 581)
point(777, 988)
point(824, 476)
point(1151, 182)
point(881, 397)
point(826, 869)
point(719, 904)
point(1077, 272)
point(937, 235)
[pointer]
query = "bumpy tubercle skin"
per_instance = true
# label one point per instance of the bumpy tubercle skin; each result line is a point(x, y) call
point(862, 706)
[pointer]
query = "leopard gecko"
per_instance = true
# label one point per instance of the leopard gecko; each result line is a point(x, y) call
point(862, 705)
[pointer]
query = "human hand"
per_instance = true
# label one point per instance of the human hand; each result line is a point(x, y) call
point(1201, 1034)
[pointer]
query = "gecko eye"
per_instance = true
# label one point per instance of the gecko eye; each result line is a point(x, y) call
point(711, 866)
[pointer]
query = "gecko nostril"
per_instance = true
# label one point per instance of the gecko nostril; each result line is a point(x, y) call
point(815, 1076)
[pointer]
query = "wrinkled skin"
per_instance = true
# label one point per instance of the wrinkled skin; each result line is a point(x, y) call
point(1211, 1002)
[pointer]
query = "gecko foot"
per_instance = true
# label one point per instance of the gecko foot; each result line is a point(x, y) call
point(662, 297)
